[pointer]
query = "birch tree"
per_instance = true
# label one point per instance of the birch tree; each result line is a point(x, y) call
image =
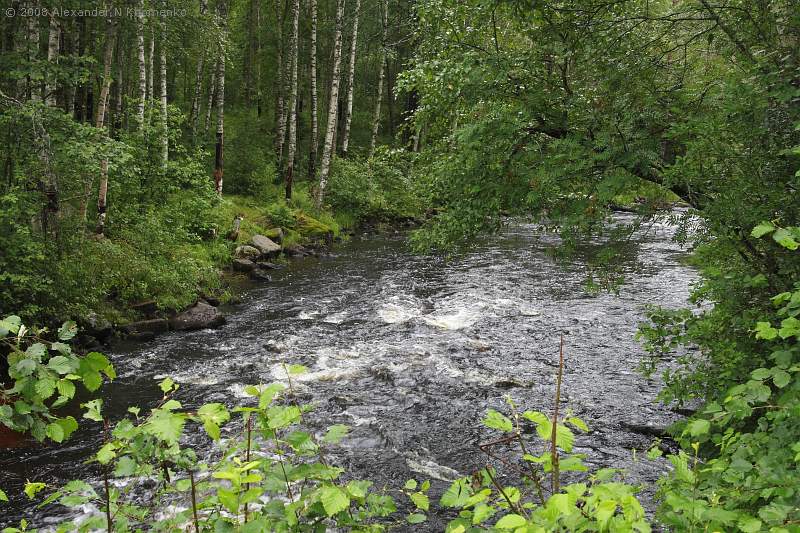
point(280, 105)
point(220, 97)
point(293, 101)
point(348, 115)
point(333, 108)
point(32, 41)
point(54, 37)
point(102, 195)
point(163, 97)
point(142, 94)
point(212, 89)
point(376, 116)
point(314, 144)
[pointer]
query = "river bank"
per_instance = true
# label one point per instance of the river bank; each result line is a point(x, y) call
point(410, 352)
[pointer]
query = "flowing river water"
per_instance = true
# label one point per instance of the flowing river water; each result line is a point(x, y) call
point(410, 351)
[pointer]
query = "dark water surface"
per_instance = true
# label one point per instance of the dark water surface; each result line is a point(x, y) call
point(410, 352)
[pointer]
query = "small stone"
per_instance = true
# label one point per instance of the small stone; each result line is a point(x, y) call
point(200, 316)
point(246, 252)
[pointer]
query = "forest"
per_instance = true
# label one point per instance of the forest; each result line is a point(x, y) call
point(400, 265)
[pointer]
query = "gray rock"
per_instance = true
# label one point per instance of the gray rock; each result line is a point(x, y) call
point(266, 265)
point(246, 252)
point(98, 326)
point(148, 308)
point(276, 234)
point(296, 250)
point(243, 265)
point(260, 275)
point(266, 246)
point(200, 316)
point(155, 325)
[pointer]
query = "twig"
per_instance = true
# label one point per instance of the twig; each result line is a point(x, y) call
point(553, 448)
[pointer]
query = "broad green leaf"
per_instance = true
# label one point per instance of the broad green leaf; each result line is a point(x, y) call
point(32, 489)
point(106, 453)
point(510, 521)
point(335, 434)
point(411, 484)
point(416, 518)
point(497, 420)
point(698, 427)
point(67, 330)
point(3, 497)
point(457, 494)
point(762, 229)
point(166, 425)
point(60, 364)
point(605, 510)
point(296, 370)
point(785, 238)
point(420, 500)
point(333, 499)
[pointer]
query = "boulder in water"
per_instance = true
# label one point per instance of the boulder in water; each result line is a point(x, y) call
point(243, 265)
point(200, 316)
point(259, 274)
point(266, 246)
point(276, 234)
point(155, 325)
point(296, 250)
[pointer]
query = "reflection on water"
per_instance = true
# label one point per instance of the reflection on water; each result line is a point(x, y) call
point(411, 351)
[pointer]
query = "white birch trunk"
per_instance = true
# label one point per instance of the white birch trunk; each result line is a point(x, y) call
point(34, 92)
point(314, 145)
point(212, 89)
point(348, 114)
point(52, 57)
point(102, 195)
point(220, 97)
point(142, 96)
point(163, 96)
point(333, 108)
point(295, 42)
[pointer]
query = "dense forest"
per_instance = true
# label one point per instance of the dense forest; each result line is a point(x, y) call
point(154, 150)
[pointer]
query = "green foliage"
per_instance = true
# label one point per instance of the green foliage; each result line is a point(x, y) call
point(42, 375)
point(380, 188)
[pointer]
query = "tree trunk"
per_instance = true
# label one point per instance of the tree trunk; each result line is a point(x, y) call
point(218, 154)
point(52, 57)
point(295, 44)
point(348, 113)
point(142, 95)
point(376, 116)
point(119, 90)
point(281, 110)
point(327, 150)
point(102, 196)
point(33, 89)
point(314, 143)
point(163, 80)
point(198, 81)
point(257, 54)
point(69, 49)
point(150, 74)
point(212, 89)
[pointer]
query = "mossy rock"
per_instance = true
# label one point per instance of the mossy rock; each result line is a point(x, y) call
point(311, 227)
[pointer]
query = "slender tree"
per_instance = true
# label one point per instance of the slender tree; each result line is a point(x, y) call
point(102, 195)
point(212, 89)
point(151, 48)
point(293, 101)
point(348, 114)
point(142, 94)
point(330, 131)
point(376, 116)
point(314, 141)
point(220, 97)
point(281, 109)
point(198, 80)
point(52, 57)
point(163, 97)
point(32, 38)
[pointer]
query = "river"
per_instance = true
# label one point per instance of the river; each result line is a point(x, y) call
point(410, 351)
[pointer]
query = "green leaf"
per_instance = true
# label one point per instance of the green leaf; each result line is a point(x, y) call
point(481, 513)
point(213, 415)
point(762, 229)
point(510, 521)
point(269, 393)
point(605, 510)
point(781, 378)
point(166, 425)
point(421, 501)
point(411, 484)
point(698, 427)
point(416, 518)
point(282, 416)
point(497, 420)
point(60, 364)
point(749, 524)
point(106, 453)
point(296, 370)
point(67, 330)
point(10, 324)
point(578, 423)
point(783, 237)
point(335, 434)
point(166, 385)
point(125, 467)
point(334, 499)
point(32, 489)
point(764, 330)
point(3, 497)
point(457, 494)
